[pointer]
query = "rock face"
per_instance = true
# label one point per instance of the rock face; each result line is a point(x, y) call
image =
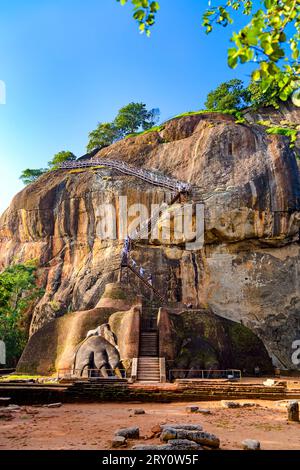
point(248, 269)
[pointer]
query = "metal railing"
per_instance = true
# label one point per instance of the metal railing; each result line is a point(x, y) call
point(204, 374)
point(146, 175)
point(70, 374)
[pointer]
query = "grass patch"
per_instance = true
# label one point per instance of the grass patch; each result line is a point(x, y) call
point(232, 112)
point(6, 378)
point(148, 131)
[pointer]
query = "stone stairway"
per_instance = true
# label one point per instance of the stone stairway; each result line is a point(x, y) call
point(148, 344)
point(148, 369)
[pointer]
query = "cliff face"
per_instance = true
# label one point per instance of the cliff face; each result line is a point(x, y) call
point(248, 269)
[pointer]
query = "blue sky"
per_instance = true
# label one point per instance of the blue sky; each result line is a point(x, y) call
point(69, 64)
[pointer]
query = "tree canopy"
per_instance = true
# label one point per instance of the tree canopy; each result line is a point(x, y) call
point(228, 95)
point(130, 119)
point(18, 289)
point(61, 157)
point(28, 176)
point(269, 40)
point(105, 134)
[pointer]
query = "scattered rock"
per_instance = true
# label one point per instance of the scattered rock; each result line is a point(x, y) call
point(251, 444)
point(204, 411)
point(188, 427)
point(184, 444)
point(118, 441)
point(168, 433)
point(129, 433)
point(249, 405)
point(192, 409)
point(4, 401)
point(139, 411)
point(54, 405)
point(204, 438)
point(230, 404)
point(293, 411)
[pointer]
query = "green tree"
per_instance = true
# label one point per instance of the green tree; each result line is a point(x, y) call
point(105, 134)
point(30, 175)
point(228, 95)
point(18, 290)
point(135, 116)
point(61, 157)
point(260, 98)
point(270, 38)
point(129, 120)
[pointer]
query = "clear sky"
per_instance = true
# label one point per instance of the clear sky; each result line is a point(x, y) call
point(68, 64)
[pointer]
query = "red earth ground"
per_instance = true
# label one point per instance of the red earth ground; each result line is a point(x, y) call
point(91, 426)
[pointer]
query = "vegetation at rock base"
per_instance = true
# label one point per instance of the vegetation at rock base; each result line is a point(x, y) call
point(18, 290)
point(270, 39)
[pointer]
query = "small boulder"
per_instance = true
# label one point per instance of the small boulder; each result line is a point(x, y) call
point(203, 438)
point(204, 411)
point(184, 444)
point(129, 433)
point(230, 404)
point(200, 437)
point(191, 409)
point(139, 411)
point(188, 427)
point(118, 441)
point(251, 444)
point(168, 434)
point(293, 411)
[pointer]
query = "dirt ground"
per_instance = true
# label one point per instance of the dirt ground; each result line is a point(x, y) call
point(91, 426)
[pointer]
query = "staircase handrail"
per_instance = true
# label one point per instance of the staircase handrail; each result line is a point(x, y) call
point(146, 175)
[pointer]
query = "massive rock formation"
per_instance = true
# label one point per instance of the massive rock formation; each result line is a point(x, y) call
point(248, 268)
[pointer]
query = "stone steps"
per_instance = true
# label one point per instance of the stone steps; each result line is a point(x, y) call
point(148, 369)
point(148, 344)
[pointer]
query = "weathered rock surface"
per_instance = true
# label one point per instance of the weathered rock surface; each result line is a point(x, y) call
point(129, 433)
point(118, 441)
point(251, 444)
point(200, 437)
point(248, 269)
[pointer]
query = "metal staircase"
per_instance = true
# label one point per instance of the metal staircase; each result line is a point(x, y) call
point(149, 176)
